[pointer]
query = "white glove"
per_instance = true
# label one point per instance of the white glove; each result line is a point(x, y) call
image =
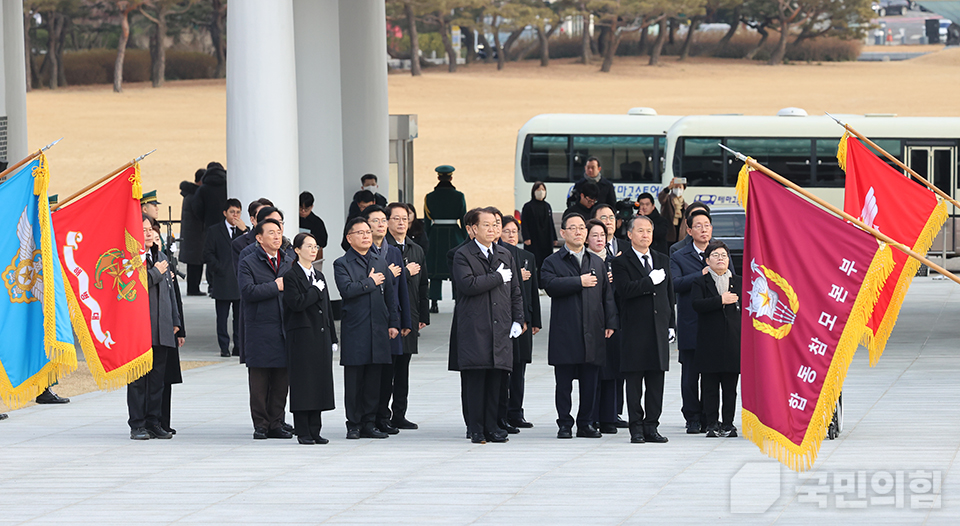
point(657, 275)
point(505, 273)
point(335, 347)
point(671, 335)
point(319, 284)
point(516, 329)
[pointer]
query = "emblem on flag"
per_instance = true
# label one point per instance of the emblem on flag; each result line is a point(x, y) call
point(766, 303)
point(24, 276)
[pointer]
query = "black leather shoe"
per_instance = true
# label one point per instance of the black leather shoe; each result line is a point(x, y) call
point(279, 433)
point(506, 426)
point(320, 440)
point(477, 438)
point(713, 431)
point(622, 424)
point(564, 432)
point(521, 423)
point(693, 427)
point(49, 397)
point(703, 427)
point(370, 431)
point(497, 436)
point(353, 434)
point(655, 437)
point(236, 352)
point(403, 423)
point(224, 354)
point(287, 427)
point(170, 430)
point(608, 429)
point(637, 439)
point(306, 441)
point(386, 427)
point(260, 433)
point(728, 431)
point(588, 432)
point(469, 435)
point(434, 308)
point(155, 431)
point(4, 416)
point(138, 434)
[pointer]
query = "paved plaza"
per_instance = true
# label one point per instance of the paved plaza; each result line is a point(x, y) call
point(74, 464)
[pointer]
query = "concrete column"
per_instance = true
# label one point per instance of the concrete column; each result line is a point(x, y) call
point(262, 138)
point(363, 87)
point(14, 80)
point(317, 37)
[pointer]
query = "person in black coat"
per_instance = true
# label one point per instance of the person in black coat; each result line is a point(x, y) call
point(247, 239)
point(582, 317)
point(192, 234)
point(312, 223)
point(716, 299)
point(489, 313)
point(171, 373)
point(606, 193)
point(526, 265)
point(609, 398)
point(310, 336)
point(368, 321)
point(536, 224)
point(222, 273)
point(145, 395)
point(645, 294)
point(265, 353)
point(212, 195)
point(417, 231)
point(415, 271)
point(586, 199)
point(660, 225)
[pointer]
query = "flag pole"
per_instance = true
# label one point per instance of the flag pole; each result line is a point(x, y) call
point(876, 233)
point(896, 161)
point(27, 159)
point(103, 179)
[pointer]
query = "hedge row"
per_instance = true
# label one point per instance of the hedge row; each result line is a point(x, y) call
point(95, 66)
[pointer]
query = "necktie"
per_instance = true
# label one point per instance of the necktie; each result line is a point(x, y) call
point(273, 263)
point(646, 263)
point(233, 232)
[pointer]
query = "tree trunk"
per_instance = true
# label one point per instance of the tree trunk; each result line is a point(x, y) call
point(685, 49)
point(51, 57)
point(544, 37)
point(26, 49)
point(469, 41)
point(511, 40)
point(610, 47)
point(734, 25)
point(501, 60)
point(488, 55)
point(586, 56)
point(61, 44)
point(448, 45)
point(642, 43)
point(781, 50)
point(658, 44)
point(121, 51)
point(216, 35)
point(673, 29)
point(414, 39)
point(764, 34)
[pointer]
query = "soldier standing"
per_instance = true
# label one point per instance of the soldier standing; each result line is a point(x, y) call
point(443, 210)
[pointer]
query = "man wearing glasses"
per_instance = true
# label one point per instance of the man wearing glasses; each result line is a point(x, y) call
point(686, 266)
point(586, 199)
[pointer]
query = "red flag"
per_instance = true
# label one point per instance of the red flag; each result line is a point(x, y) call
point(100, 237)
point(810, 280)
point(885, 199)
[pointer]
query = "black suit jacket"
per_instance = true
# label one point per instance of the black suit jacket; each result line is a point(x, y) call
point(646, 312)
point(368, 312)
point(686, 267)
point(718, 327)
point(222, 268)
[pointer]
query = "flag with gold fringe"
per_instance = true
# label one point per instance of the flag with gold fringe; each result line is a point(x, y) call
point(885, 199)
point(810, 282)
point(38, 346)
point(101, 240)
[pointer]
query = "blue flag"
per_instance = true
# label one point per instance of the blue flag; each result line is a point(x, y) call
point(38, 346)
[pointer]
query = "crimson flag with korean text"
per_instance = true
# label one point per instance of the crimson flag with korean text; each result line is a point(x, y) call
point(100, 237)
point(908, 212)
point(810, 280)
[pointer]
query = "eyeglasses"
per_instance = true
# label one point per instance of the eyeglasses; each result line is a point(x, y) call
point(719, 256)
point(361, 233)
point(377, 221)
point(701, 227)
point(575, 229)
point(400, 219)
point(606, 218)
point(310, 246)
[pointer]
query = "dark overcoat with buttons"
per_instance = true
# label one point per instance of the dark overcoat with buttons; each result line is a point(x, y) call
point(310, 335)
point(578, 315)
point(367, 314)
point(486, 308)
point(261, 306)
point(646, 312)
point(718, 326)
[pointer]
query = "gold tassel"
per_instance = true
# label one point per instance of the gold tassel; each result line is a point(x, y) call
point(743, 181)
point(27, 391)
point(842, 151)
point(137, 182)
point(41, 176)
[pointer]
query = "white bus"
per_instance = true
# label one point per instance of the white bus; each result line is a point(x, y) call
point(554, 147)
point(804, 149)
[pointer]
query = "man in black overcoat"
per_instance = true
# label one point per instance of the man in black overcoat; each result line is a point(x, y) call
point(489, 313)
point(243, 241)
point(582, 316)
point(368, 321)
point(645, 292)
point(218, 255)
point(192, 235)
point(212, 195)
point(660, 224)
point(261, 286)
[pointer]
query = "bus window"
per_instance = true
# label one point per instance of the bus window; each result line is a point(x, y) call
point(788, 157)
point(700, 161)
point(545, 158)
point(626, 158)
point(828, 172)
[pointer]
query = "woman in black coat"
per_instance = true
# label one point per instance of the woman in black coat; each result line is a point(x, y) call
point(311, 335)
point(536, 224)
point(718, 338)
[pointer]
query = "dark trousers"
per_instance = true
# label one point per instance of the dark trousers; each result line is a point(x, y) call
point(587, 376)
point(621, 385)
point(482, 392)
point(306, 424)
point(165, 406)
point(401, 385)
point(436, 289)
point(607, 399)
point(386, 390)
point(690, 387)
point(223, 337)
point(503, 401)
point(517, 383)
point(711, 384)
point(194, 277)
point(268, 396)
point(644, 418)
point(145, 394)
point(361, 394)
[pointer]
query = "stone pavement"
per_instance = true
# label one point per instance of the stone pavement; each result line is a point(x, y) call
point(75, 464)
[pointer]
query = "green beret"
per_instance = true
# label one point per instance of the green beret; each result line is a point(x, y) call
point(445, 169)
point(149, 197)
